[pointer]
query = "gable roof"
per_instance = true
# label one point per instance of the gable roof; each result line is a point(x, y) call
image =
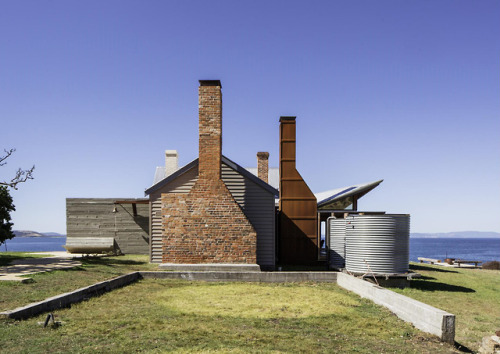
point(159, 183)
point(335, 195)
point(273, 175)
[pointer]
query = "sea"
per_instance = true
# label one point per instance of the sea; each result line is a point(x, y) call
point(475, 249)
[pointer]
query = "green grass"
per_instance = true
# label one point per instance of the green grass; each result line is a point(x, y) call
point(473, 295)
point(181, 316)
point(44, 285)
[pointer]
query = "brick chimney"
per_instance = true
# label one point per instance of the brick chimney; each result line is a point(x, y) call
point(207, 225)
point(171, 162)
point(210, 128)
point(263, 166)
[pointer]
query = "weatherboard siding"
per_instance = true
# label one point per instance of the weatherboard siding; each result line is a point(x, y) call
point(256, 203)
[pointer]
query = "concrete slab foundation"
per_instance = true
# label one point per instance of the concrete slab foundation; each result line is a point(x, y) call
point(265, 277)
point(211, 267)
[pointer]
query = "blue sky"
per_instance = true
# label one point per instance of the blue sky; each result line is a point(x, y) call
point(93, 92)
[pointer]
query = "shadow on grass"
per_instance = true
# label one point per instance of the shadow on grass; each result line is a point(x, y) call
point(462, 348)
point(430, 269)
point(110, 261)
point(6, 258)
point(437, 286)
point(304, 268)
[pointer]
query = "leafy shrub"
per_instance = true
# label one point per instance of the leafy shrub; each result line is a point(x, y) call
point(491, 265)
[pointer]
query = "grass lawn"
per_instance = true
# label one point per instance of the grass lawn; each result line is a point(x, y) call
point(92, 270)
point(181, 316)
point(473, 295)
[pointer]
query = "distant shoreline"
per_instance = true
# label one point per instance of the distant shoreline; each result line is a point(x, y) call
point(61, 236)
point(457, 237)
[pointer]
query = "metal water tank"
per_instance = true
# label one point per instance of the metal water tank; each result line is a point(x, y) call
point(336, 229)
point(377, 243)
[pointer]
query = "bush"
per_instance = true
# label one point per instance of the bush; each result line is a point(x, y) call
point(491, 265)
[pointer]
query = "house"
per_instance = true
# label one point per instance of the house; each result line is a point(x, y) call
point(213, 211)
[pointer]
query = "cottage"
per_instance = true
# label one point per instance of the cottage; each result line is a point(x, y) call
point(213, 211)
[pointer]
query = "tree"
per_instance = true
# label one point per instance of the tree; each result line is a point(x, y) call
point(21, 175)
point(6, 206)
point(6, 202)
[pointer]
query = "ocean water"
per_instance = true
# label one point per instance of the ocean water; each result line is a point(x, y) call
point(480, 249)
point(34, 244)
point(471, 249)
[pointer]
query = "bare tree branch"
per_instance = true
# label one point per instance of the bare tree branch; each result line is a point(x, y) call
point(21, 175)
point(8, 153)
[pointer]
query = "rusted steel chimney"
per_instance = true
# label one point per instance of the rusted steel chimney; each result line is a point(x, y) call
point(298, 242)
point(263, 166)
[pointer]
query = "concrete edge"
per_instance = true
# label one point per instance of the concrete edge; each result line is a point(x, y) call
point(207, 267)
point(264, 277)
point(66, 299)
point(424, 317)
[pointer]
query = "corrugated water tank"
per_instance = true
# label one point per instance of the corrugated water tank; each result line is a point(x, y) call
point(377, 243)
point(336, 231)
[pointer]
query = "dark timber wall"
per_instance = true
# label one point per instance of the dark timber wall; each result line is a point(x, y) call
point(94, 217)
point(298, 207)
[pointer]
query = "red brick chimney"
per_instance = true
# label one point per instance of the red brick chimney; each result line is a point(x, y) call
point(210, 128)
point(207, 225)
point(263, 166)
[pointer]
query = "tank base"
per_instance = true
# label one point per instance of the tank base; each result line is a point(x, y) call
point(401, 280)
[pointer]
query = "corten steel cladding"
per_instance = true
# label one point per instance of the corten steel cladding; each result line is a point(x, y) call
point(377, 243)
point(337, 242)
point(298, 206)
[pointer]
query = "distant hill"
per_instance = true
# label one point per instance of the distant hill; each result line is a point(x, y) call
point(457, 234)
point(29, 233)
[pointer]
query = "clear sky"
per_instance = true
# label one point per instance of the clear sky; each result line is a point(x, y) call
point(93, 92)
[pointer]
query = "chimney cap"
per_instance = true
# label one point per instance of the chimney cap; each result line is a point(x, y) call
point(287, 119)
point(263, 154)
point(210, 83)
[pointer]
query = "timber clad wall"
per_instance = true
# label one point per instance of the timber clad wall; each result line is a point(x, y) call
point(94, 217)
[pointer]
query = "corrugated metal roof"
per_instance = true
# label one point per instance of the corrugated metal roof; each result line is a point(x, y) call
point(159, 174)
point(333, 195)
point(273, 175)
point(160, 171)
